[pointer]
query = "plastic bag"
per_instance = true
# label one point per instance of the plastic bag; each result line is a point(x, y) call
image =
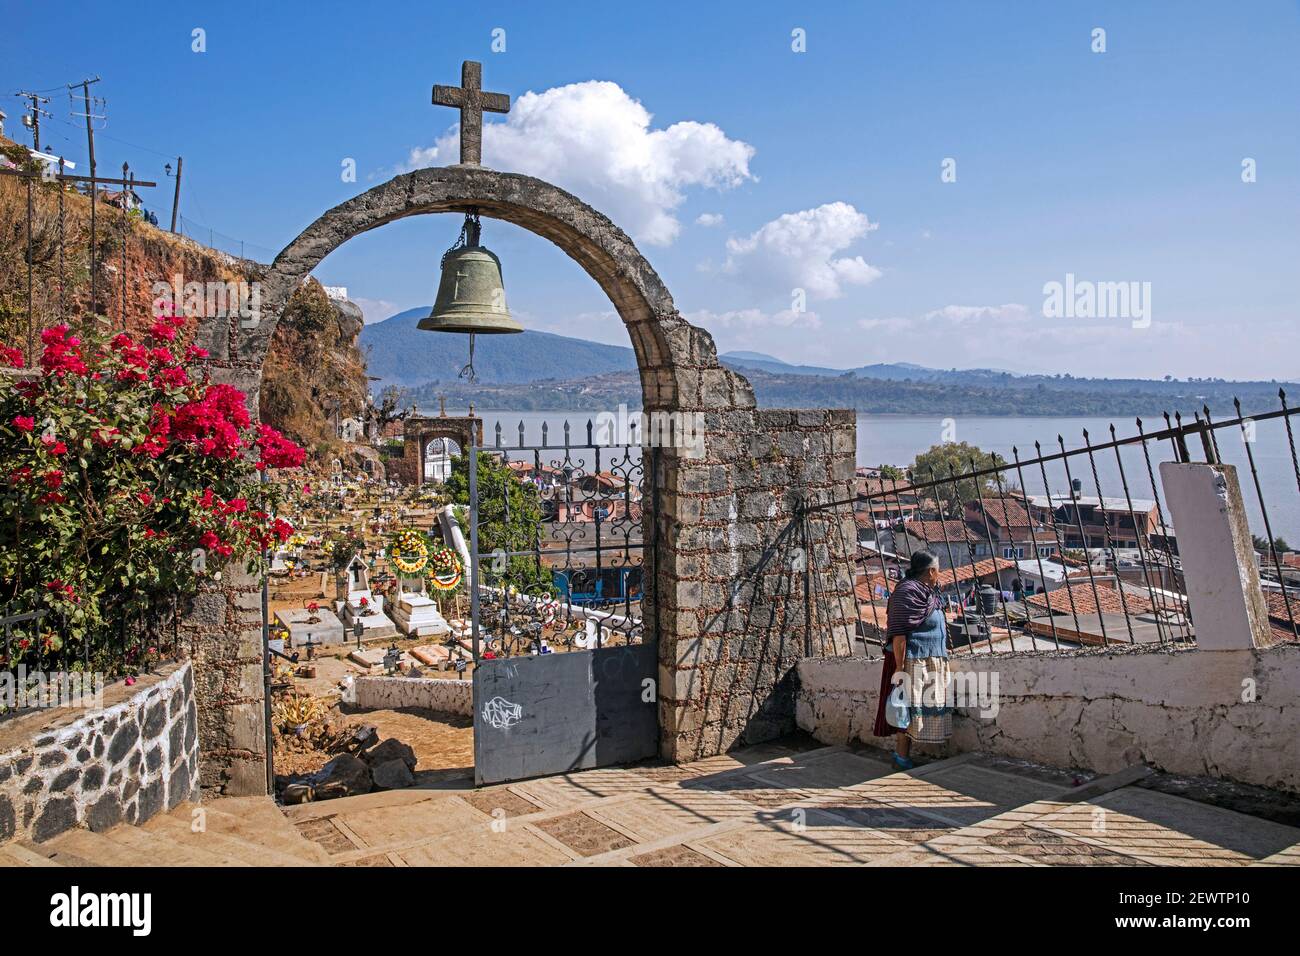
point(897, 712)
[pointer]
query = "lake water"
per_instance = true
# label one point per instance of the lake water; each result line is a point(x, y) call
point(896, 440)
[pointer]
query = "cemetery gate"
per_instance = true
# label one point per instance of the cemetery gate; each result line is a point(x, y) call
point(565, 671)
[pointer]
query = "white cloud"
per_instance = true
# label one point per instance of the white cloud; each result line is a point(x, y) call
point(376, 310)
point(1011, 312)
point(753, 318)
point(597, 142)
point(422, 156)
point(709, 219)
point(797, 250)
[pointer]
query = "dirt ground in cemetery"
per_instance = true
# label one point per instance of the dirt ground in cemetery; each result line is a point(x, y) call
point(443, 743)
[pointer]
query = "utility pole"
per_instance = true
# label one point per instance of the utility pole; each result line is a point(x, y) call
point(33, 119)
point(176, 196)
point(94, 191)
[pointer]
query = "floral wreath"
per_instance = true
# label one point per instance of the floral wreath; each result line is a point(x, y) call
point(444, 569)
point(408, 551)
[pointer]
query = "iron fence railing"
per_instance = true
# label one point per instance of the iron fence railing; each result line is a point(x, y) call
point(577, 580)
point(1073, 546)
point(42, 643)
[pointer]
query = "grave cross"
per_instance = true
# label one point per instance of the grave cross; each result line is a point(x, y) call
point(470, 98)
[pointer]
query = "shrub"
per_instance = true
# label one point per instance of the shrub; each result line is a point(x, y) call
point(127, 478)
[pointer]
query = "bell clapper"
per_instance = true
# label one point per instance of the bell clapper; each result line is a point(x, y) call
point(467, 373)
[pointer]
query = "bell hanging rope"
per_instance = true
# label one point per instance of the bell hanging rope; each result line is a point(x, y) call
point(471, 296)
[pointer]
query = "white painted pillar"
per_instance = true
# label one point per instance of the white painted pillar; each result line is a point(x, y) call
point(1218, 557)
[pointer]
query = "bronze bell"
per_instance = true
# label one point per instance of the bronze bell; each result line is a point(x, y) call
point(471, 297)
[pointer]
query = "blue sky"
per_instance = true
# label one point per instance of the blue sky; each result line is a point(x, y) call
point(823, 166)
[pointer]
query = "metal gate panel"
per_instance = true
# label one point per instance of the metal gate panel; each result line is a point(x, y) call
point(554, 713)
point(539, 712)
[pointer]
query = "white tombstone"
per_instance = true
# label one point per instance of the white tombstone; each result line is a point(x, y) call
point(358, 604)
point(415, 613)
point(350, 429)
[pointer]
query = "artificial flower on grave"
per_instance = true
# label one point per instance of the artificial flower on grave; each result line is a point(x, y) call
point(408, 551)
point(444, 569)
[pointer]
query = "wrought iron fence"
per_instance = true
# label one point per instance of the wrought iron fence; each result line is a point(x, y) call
point(576, 580)
point(1073, 547)
point(38, 645)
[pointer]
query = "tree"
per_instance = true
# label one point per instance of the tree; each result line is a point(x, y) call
point(1261, 544)
point(509, 519)
point(891, 472)
point(388, 409)
point(944, 461)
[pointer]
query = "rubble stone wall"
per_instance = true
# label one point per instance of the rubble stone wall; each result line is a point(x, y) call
point(122, 763)
point(1227, 714)
point(393, 693)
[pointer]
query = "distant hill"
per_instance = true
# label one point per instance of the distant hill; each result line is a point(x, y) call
point(891, 372)
point(538, 370)
point(872, 396)
point(400, 354)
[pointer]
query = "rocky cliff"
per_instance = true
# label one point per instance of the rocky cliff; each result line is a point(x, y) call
point(314, 375)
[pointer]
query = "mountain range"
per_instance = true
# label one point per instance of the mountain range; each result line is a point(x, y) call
point(541, 370)
point(402, 355)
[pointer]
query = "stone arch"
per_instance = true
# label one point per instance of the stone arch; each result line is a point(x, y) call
point(419, 430)
point(677, 361)
point(729, 622)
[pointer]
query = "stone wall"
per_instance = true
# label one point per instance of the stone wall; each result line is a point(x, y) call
point(1228, 714)
point(394, 693)
point(732, 567)
point(135, 757)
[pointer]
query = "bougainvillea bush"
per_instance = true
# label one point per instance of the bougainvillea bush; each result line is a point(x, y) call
point(127, 478)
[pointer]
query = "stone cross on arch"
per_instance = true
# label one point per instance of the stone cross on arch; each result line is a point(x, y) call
point(470, 98)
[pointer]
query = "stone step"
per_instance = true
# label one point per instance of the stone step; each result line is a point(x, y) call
point(153, 848)
point(302, 812)
point(245, 850)
point(15, 854)
point(257, 820)
point(84, 848)
point(239, 831)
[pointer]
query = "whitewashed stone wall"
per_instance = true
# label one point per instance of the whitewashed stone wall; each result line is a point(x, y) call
point(392, 693)
point(1227, 714)
point(123, 763)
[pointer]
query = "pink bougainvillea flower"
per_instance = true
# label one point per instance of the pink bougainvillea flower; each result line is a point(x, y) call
point(162, 329)
point(24, 423)
point(277, 451)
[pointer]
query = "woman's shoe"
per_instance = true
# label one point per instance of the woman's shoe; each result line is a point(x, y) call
point(903, 763)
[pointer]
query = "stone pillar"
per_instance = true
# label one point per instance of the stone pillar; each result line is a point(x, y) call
point(734, 565)
point(223, 627)
point(1218, 557)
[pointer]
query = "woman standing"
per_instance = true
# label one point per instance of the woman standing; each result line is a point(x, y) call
point(917, 635)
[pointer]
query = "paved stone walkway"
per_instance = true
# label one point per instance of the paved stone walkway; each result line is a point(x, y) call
point(778, 805)
point(774, 805)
